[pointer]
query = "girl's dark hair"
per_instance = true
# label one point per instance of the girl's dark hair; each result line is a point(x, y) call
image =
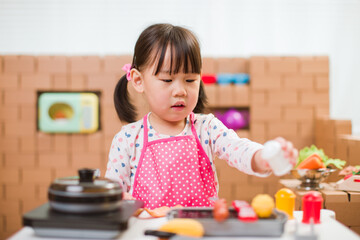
point(151, 46)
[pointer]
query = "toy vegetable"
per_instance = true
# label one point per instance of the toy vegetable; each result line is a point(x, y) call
point(314, 158)
point(312, 162)
point(221, 211)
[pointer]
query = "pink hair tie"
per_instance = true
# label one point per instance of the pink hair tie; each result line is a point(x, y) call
point(127, 69)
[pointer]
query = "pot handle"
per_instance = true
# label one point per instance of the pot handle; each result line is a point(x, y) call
point(86, 174)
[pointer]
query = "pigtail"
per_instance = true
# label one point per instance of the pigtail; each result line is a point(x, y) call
point(125, 110)
point(202, 100)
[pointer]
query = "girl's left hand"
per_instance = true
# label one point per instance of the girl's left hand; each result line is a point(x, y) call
point(260, 165)
point(290, 152)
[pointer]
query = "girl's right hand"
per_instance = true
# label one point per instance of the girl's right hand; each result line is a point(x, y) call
point(128, 196)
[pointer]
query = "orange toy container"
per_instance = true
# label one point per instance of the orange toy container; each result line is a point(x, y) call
point(285, 201)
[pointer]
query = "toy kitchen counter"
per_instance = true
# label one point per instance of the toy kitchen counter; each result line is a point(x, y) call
point(345, 204)
point(329, 228)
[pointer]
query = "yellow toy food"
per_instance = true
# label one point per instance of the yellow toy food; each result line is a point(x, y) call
point(183, 226)
point(263, 205)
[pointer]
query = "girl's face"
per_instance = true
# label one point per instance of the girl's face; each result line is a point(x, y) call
point(171, 97)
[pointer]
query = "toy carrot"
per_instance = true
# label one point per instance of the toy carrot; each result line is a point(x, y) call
point(314, 161)
point(306, 152)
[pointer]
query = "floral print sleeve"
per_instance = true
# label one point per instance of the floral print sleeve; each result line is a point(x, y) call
point(118, 167)
point(227, 145)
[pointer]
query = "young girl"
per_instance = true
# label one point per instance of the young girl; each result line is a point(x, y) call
point(167, 158)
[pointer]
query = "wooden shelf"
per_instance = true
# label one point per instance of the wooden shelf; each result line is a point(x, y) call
point(231, 95)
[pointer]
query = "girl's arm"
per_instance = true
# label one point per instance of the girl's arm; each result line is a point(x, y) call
point(227, 145)
point(242, 153)
point(118, 166)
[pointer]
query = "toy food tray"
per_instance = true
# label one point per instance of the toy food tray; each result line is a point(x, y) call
point(350, 184)
point(265, 227)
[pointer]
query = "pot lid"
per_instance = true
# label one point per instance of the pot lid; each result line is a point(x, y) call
point(86, 184)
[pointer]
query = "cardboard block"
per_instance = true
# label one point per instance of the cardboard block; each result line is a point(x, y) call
point(228, 174)
point(298, 113)
point(211, 91)
point(227, 191)
point(94, 142)
point(19, 64)
point(346, 206)
point(282, 128)
point(36, 82)
point(19, 160)
point(355, 229)
point(9, 144)
point(52, 64)
point(44, 142)
point(37, 176)
point(13, 222)
point(314, 65)
point(78, 143)
point(61, 143)
point(89, 160)
point(322, 82)
point(53, 160)
point(232, 65)
point(257, 66)
point(85, 65)
point(9, 113)
point(77, 82)
point(8, 207)
point(114, 64)
point(322, 111)
point(283, 98)
point(259, 138)
point(9, 81)
point(314, 98)
point(354, 151)
point(60, 82)
point(258, 97)
point(14, 192)
point(259, 113)
point(306, 128)
point(241, 95)
point(283, 64)
point(225, 95)
point(265, 82)
point(298, 82)
point(15, 98)
point(343, 127)
point(18, 128)
point(209, 65)
point(342, 147)
point(258, 128)
point(64, 172)
point(243, 133)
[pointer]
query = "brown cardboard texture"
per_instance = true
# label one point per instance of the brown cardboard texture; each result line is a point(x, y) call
point(346, 205)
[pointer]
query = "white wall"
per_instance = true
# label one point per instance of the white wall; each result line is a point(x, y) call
point(240, 28)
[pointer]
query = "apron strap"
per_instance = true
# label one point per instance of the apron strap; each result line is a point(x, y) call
point(145, 130)
point(192, 119)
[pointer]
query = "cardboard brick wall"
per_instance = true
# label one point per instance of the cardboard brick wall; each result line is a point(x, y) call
point(334, 137)
point(285, 96)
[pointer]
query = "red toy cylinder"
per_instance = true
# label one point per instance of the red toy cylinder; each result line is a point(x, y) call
point(208, 78)
point(311, 206)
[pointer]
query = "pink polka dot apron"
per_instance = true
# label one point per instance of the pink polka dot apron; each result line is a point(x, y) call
point(173, 171)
